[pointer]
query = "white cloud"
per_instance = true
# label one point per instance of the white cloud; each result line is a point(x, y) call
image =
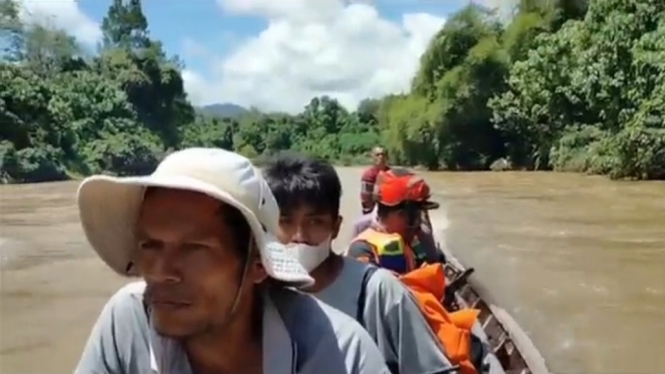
point(339, 48)
point(197, 87)
point(63, 14)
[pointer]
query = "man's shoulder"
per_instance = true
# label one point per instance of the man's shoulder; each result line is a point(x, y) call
point(311, 315)
point(326, 337)
point(362, 223)
point(131, 294)
point(136, 288)
point(370, 173)
point(360, 250)
point(118, 341)
point(127, 305)
point(386, 278)
point(388, 287)
point(364, 219)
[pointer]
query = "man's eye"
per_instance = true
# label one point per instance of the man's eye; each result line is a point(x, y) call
point(194, 246)
point(149, 245)
point(317, 221)
point(285, 221)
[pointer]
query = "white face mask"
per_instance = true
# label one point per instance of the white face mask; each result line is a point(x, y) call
point(310, 256)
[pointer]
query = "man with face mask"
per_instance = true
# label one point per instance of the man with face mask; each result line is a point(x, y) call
point(308, 192)
point(402, 201)
point(215, 295)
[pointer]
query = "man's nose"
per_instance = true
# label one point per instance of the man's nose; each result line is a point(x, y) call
point(163, 269)
point(299, 235)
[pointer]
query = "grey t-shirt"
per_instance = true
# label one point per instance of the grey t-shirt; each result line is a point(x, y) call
point(391, 316)
point(300, 335)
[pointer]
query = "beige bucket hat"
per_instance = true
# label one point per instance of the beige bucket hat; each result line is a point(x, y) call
point(109, 207)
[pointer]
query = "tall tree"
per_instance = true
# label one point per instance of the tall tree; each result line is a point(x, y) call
point(125, 26)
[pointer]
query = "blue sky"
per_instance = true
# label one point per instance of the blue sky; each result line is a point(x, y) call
point(173, 22)
point(277, 54)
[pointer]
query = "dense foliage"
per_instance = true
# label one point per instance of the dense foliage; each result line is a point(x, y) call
point(563, 85)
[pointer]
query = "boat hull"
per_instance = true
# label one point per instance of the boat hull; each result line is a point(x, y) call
point(512, 346)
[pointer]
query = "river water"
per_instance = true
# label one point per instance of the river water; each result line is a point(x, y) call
point(578, 261)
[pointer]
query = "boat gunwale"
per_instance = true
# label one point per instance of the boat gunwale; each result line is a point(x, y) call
point(521, 340)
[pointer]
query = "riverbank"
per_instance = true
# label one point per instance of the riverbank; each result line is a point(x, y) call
point(419, 169)
point(76, 174)
point(362, 160)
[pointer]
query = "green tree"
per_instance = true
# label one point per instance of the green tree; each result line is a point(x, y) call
point(563, 85)
point(125, 26)
point(152, 82)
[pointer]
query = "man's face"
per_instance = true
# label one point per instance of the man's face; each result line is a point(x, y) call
point(191, 266)
point(307, 225)
point(405, 222)
point(379, 156)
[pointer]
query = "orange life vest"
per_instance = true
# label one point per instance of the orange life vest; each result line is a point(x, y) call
point(427, 284)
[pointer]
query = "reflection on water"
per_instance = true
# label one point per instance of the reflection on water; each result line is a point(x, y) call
point(579, 262)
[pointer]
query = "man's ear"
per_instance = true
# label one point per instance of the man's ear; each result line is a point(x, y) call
point(257, 272)
point(337, 226)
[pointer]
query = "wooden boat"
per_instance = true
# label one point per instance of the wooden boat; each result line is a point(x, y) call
point(512, 346)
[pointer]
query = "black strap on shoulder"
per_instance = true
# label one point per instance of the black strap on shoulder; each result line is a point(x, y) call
point(369, 271)
point(362, 298)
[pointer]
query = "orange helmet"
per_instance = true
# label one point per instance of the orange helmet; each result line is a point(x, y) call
point(396, 186)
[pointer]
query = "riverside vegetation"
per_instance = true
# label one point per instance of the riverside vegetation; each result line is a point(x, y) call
point(566, 85)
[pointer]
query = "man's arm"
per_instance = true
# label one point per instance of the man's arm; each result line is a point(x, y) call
point(362, 224)
point(434, 255)
point(367, 181)
point(401, 331)
point(362, 251)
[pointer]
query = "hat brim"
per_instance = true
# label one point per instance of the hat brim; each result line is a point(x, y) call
point(424, 205)
point(109, 209)
point(430, 205)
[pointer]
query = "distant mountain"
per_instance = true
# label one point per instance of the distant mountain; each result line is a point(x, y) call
point(222, 110)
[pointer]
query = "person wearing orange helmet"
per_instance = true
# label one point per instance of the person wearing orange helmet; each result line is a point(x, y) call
point(390, 242)
point(402, 199)
point(424, 239)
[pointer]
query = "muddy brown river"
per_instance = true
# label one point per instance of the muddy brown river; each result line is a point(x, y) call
point(578, 261)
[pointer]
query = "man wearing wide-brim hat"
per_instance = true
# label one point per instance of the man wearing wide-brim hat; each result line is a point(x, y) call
point(216, 294)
